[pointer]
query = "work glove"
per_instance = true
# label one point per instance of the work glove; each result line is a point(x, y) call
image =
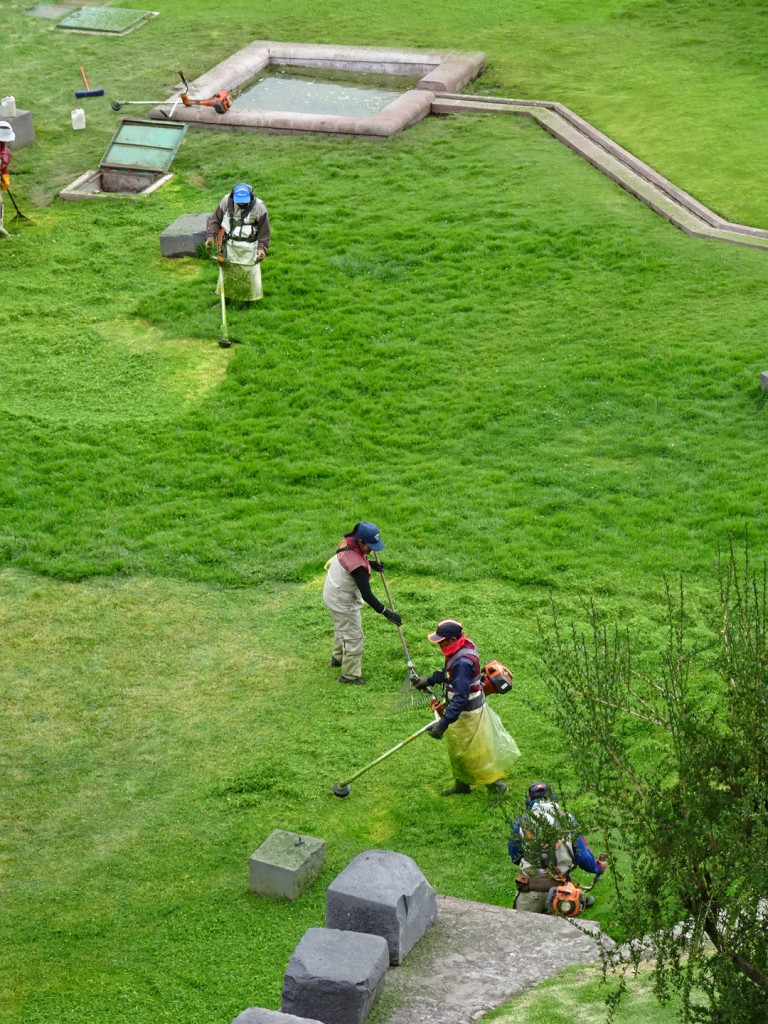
point(437, 728)
point(602, 860)
point(392, 616)
point(5, 182)
point(378, 566)
point(260, 254)
point(208, 244)
point(420, 682)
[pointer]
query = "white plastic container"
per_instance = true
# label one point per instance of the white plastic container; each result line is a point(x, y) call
point(78, 118)
point(8, 106)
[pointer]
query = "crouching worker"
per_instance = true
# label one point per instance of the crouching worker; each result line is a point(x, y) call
point(545, 843)
point(6, 135)
point(239, 226)
point(347, 588)
point(480, 749)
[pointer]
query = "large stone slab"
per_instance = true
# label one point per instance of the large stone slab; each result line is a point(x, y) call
point(335, 976)
point(383, 893)
point(185, 236)
point(286, 864)
point(255, 1015)
point(477, 957)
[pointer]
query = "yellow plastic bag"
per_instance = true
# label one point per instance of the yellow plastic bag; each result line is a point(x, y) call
point(479, 747)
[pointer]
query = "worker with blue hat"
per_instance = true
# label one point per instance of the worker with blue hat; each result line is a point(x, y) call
point(347, 588)
point(239, 227)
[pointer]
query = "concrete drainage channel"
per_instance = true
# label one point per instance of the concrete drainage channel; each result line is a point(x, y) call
point(638, 178)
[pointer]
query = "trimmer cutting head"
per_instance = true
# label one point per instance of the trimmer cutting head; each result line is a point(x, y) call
point(341, 791)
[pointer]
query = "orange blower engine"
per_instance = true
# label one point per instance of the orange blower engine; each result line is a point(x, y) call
point(496, 678)
point(567, 899)
point(221, 101)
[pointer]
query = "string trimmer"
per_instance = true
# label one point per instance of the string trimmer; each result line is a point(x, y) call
point(224, 341)
point(221, 101)
point(342, 789)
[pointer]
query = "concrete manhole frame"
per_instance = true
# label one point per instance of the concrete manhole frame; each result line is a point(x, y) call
point(436, 71)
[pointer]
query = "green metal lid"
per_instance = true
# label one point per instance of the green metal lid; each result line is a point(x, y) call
point(143, 146)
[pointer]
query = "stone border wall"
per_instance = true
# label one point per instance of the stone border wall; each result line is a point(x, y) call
point(443, 71)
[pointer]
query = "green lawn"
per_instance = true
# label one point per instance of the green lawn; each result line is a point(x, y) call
point(532, 384)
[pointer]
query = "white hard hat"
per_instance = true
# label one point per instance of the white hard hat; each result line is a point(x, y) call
point(6, 132)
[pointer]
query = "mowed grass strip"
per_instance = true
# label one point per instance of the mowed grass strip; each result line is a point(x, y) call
point(155, 733)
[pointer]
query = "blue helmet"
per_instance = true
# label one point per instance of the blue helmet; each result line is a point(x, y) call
point(242, 193)
point(368, 533)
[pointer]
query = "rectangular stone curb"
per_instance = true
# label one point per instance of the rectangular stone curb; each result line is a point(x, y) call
point(184, 236)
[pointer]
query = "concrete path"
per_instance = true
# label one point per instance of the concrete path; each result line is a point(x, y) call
point(638, 178)
point(475, 958)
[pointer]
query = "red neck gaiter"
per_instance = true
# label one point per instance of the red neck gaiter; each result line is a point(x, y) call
point(456, 645)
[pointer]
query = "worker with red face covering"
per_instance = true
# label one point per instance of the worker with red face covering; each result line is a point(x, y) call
point(480, 749)
point(7, 135)
point(347, 588)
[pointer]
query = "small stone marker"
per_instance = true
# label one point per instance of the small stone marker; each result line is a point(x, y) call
point(764, 380)
point(336, 976)
point(184, 236)
point(286, 864)
point(255, 1015)
point(383, 893)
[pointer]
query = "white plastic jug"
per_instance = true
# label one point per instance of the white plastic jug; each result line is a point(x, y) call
point(78, 118)
point(8, 106)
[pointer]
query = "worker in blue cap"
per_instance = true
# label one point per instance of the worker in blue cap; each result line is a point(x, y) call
point(239, 227)
point(347, 588)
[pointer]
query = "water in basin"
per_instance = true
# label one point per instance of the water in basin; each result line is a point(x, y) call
point(316, 92)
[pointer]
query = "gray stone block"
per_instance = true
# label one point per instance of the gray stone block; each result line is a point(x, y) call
point(255, 1015)
point(383, 893)
point(185, 235)
point(764, 380)
point(286, 864)
point(23, 129)
point(335, 975)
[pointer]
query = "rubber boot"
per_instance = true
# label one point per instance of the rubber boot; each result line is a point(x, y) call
point(457, 788)
point(497, 787)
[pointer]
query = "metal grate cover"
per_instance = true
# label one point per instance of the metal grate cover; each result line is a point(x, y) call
point(143, 146)
point(104, 19)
